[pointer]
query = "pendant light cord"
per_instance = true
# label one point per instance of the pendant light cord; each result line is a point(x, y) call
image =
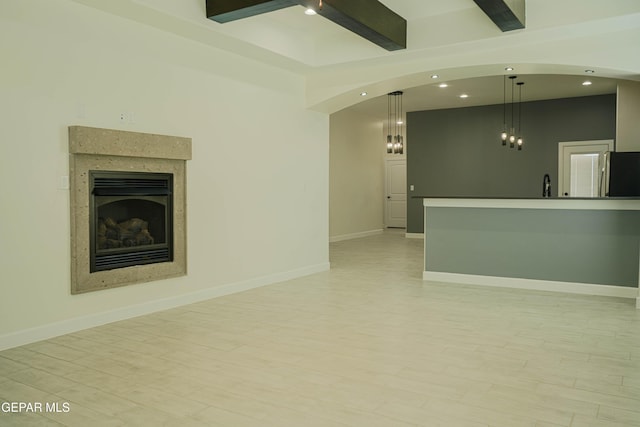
point(388, 115)
point(395, 124)
point(520, 109)
point(401, 119)
point(504, 101)
point(512, 90)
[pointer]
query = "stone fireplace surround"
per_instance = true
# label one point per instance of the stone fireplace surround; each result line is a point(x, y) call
point(95, 149)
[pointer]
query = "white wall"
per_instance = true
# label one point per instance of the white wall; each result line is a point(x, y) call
point(257, 187)
point(628, 126)
point(356, 176)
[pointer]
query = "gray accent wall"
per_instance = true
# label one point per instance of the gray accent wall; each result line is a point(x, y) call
point(457, 152)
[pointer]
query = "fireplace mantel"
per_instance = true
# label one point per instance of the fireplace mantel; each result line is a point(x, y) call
point(94, 149)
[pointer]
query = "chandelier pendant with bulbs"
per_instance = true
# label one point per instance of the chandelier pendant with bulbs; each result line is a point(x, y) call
point(395, 123)
point(510, 136)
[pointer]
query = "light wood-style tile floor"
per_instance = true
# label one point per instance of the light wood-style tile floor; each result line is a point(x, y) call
point(366, 344)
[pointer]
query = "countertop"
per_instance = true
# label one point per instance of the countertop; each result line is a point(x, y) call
point(524, 198)
point(566, 203)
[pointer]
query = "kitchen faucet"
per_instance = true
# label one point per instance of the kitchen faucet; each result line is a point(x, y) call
point(546, 186)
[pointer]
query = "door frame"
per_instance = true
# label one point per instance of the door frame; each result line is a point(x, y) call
point(561, 150)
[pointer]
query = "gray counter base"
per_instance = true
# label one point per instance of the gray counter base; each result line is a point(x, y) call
point(592, 249)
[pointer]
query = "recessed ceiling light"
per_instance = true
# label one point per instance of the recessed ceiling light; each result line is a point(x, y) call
point(464, 95)
point(509, 69)
point(363, 94)
point(586, 83)
point(309, 11)
point(435, 76)
point(589, 71)
point(443, 85)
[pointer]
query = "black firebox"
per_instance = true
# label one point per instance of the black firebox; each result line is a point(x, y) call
point(130, 219)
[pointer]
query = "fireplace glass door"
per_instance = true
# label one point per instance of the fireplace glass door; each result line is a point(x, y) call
point(131, 219)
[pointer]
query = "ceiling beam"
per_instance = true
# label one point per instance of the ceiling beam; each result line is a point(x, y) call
point(231, 10)
point(368, 18)
point(508, 15)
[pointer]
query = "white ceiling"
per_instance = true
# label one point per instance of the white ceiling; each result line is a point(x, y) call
point(453, 38)
point(487, 91)
point(316, 42)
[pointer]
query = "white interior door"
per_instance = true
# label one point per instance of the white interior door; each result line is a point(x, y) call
point(396, 193)
point(581, 168)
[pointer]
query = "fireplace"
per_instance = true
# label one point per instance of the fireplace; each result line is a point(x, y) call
point(128, 207)
point(131, 219)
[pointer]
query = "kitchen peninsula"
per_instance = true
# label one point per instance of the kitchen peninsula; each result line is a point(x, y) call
point(587, 246)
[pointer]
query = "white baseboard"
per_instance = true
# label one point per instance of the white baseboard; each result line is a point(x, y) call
point(55, 329)
point(350, 236)
point(414, 235)
point(534, 284)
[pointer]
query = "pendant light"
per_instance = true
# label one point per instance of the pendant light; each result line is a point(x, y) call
point(503, 135)
point(395, 140)
point(520, 140)
point(514, 141)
